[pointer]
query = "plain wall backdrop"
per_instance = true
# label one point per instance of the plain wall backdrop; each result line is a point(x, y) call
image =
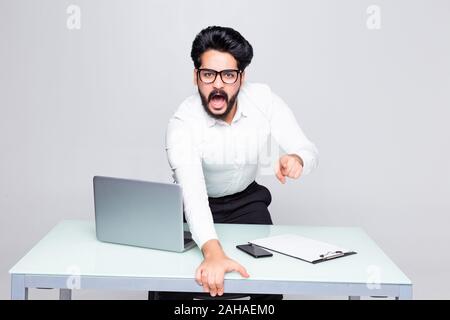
point(96, 101)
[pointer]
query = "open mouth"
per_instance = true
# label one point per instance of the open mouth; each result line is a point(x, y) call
point(218, 101)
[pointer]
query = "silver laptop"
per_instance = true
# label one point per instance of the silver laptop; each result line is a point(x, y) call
point(140, 213)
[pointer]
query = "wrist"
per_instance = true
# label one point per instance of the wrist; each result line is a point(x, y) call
point(212, 249)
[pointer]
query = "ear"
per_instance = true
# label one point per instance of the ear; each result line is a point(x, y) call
point(242, 77)
point(195, 77)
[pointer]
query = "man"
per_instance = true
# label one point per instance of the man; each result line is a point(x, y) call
point(214, 142)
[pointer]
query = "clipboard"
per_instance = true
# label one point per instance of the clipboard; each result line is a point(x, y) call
point(302, 248)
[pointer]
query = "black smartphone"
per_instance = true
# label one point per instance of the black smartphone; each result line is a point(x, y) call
point(254, 251)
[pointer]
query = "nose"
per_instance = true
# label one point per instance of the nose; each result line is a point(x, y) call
point(218, 83)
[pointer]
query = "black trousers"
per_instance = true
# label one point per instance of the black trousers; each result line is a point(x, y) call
point(249, 207)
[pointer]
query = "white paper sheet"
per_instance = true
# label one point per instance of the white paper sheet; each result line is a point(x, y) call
point(301, 247)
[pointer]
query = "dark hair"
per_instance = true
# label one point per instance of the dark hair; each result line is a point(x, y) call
point(222, 39)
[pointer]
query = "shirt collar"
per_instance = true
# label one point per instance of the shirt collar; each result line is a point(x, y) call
point(240, 112)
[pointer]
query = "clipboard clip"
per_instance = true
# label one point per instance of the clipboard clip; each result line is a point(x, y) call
point(331, 255)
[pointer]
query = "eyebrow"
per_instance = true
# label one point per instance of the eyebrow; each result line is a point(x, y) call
point(219, 70)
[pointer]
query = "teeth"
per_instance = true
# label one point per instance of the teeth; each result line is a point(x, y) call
point(218, 95)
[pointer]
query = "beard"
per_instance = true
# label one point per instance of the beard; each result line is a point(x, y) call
point(216, 92)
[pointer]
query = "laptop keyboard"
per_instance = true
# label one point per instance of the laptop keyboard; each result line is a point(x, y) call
point(187, 237)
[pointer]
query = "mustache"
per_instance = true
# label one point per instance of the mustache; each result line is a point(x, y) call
point(218, 92)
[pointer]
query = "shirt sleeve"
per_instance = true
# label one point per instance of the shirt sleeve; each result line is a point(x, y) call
point(185, 162)
point(288, 134)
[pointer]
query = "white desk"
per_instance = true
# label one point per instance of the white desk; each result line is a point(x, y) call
point(69, 257)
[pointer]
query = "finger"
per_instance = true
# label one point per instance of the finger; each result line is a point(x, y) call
point(243, 272)
point(219, 284)
point(205, 281)
point(198, 275)
point(284, 161)
point(237, 267)
point(279, 171)
point(280, 176)
point(292, 171)
point(212, 285)
point(298, 172)
point(293, 162)
point(285, 170)
point(289, 165)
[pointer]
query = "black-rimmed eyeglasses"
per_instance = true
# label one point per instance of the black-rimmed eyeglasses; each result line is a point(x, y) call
point(228, 76)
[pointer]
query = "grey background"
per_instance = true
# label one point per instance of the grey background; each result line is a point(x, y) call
point(96, 101)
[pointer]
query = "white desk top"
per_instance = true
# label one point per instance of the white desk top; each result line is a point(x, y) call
point(72, 247)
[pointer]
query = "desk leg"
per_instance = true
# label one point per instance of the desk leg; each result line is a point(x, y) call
point(65, 294)
point(354, 298)
point(18, 289)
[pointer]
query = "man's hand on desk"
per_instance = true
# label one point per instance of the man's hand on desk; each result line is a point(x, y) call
point(211, 272)
point(289, 165)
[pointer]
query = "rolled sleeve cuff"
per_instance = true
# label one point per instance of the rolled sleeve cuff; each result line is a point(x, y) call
point(310, 161)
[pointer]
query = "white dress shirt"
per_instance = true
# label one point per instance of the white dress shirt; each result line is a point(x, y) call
point(210, 157)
